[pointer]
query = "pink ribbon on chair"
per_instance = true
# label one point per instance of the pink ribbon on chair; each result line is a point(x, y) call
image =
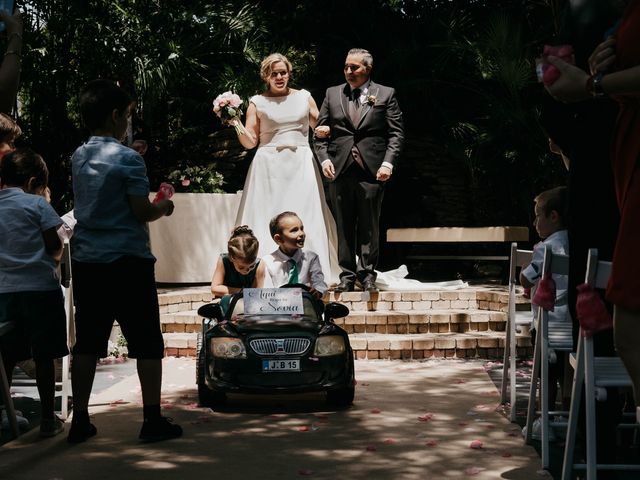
point(545, 296)
point(591, 311)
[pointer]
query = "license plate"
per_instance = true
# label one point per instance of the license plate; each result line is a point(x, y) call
point(281, 365)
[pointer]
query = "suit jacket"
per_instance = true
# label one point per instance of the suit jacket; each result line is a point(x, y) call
point(379, 134)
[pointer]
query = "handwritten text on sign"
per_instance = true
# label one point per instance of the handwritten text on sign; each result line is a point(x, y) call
point(269, 301)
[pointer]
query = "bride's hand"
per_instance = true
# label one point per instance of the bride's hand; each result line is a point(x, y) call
point(322, 131)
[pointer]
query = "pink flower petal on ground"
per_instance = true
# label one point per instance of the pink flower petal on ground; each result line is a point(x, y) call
point(489, 393)
point(305, 471)
point(118, 402)
point(364, 384)
point(111, 376)
point(375, 410)
point(426, 417)
point(473, 470)
point(463, 424)
point(460, 380)
point(476, 444)
point(390, 441)
point(193, 406)
point(431, 443)
point(303, 428)
point(371, 448)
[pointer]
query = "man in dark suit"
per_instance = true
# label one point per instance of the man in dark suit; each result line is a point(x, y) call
point(358, 156)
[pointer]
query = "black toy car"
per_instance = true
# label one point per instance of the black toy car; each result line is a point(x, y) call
point(276, 352)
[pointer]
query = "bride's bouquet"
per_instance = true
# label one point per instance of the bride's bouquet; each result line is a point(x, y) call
point(227, 107)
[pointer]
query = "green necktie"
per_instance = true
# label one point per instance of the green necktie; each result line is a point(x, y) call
point(293, 272)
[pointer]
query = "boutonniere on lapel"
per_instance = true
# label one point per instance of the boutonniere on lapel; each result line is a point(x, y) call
point(371, 100)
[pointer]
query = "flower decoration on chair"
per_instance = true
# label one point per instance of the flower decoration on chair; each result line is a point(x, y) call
point(545, 296)
point(591, 311)
point(227, 107)
point(196, 179)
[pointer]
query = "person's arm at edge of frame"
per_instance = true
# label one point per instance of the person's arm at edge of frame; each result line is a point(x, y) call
point(572, 86)
point(10, 67)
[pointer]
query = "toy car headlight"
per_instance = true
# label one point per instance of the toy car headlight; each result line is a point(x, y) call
point(329, 345)
point(227, 347)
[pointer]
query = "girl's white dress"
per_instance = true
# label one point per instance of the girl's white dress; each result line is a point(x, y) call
point(284, 176)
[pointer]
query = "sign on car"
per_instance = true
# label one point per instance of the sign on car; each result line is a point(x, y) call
point(270, 301)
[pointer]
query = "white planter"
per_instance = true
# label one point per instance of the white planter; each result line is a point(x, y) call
point(187, 244)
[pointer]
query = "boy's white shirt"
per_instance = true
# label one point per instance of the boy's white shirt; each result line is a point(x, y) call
point(559, 242)
point(309, 269)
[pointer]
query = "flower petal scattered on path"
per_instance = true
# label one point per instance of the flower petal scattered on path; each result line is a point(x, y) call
point(476, 444)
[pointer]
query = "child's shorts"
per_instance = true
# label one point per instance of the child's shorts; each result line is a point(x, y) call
point(122, 291)
point(40, 321)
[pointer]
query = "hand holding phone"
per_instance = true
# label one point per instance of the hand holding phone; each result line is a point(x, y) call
point(548, 73)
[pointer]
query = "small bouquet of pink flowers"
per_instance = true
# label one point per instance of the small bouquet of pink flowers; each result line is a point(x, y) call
point(227, 107)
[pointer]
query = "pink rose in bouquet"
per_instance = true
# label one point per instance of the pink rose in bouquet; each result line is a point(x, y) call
point(227, 107)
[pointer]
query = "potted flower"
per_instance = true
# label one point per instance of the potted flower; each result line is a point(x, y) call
point(187, 243)
point(196, 179)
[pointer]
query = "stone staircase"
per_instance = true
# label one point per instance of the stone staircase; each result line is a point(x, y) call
point(465, 323)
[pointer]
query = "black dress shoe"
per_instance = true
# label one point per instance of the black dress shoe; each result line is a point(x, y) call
point(369, 286)
point(344, 286)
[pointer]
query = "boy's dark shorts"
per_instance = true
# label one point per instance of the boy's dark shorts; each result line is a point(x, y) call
point(40, 330)
point(122, 291)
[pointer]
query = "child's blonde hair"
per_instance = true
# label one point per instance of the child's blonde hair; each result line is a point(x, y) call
point(9, 129)
point(554, 199)
point(243, 244)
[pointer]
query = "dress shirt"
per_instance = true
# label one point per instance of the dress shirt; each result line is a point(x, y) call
point(309, 269)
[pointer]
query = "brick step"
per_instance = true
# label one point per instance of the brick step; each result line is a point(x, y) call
point(439, 345)
point(394, 321)
point(494, 298)
point(397, 346)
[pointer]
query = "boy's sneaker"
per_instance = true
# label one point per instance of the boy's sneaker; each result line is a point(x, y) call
point(23, 423)
point(50, 427)
point(81, 431)
point(161, 428)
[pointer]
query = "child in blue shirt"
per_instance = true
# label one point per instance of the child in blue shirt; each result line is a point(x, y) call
point(113, 266)
point(30, 293)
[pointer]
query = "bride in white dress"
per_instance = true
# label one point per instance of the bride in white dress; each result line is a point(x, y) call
point(283, 175)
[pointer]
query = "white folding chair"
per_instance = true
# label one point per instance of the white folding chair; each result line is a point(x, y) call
point(64, 385)
point(551, 337)
point(595, 374)
point(515, 318)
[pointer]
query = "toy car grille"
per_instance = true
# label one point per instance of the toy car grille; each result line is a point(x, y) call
point(280, 346)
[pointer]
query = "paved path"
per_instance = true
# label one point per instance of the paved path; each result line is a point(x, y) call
point(411, 420)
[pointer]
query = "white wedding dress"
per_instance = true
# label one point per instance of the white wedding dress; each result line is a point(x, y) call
point(283, 176)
